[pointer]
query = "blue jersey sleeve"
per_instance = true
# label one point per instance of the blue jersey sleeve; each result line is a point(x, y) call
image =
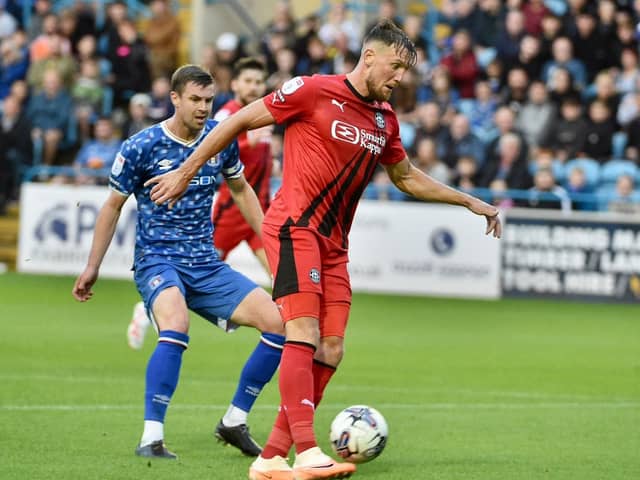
point(232, 167)
point(126, 171)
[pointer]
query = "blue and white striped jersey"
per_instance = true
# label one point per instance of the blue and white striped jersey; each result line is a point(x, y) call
point(183, 234)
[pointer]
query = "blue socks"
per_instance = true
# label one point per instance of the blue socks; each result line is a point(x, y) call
point(258, 370)
point(163, 371)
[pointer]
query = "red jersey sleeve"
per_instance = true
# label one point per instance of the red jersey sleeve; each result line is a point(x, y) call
point(295, 99)
point(394, 151)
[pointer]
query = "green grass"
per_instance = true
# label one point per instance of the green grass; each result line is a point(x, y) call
point(506, 390)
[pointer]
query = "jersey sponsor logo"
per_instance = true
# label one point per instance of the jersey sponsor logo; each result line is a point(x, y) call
point(338, 104)
point(203, 180)
point(165, 164)
point(292, 85)
point(314, 275)
point(345, 132)
point(379, 118)
point(118, 165)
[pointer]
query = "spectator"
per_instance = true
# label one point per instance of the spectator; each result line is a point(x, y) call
point(138, 118)
point(509, 39)
point(567, 134)
point(551, 30)
point(599, 134)
point(625, 38)
point(529, 57)
point(578, 186)
point(49, 112)
point(562, 57)
point(229, 49)
point(462, 65)
point(14, 64)
point(8, 24)
point(465, 174)
point(338, 22)
point(162, 36)
point(97, 154)
point(16, 150)
point(286, 64)
point(500, 198)
point(506, 163)
point(534, 12)
point(505, 122)
point(49, 42)
point(428, 123)
point(109, 40)
point(536, 115)
point(625, 198)
point(514, 94)
point(426, 159)
point(482, 111)
point(58, 59)
point(88, 95)
point(589, 45)
point(42, 8)
point(314, 59)
point(627, 77)
point(561, 86)
point(606, 91)
point(488, 21)
point(544, 189)
point(460, 142)
point(161, 106)
point(129, 65)
point(442, 94)
point(387, 10)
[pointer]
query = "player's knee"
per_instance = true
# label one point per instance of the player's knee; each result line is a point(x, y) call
point(330, 350)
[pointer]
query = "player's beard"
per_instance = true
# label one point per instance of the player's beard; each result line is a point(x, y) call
point(381, 94)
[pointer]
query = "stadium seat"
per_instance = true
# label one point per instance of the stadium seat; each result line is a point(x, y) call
point(618, 144)
point(407, 135)
point(611, 170)
point(556, 167)
point(590, 167)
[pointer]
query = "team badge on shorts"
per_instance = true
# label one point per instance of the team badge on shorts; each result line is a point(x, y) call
point(314, 275)
point(380, 120)
point(156, 281)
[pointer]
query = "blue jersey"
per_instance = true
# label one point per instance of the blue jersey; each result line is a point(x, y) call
point(182, 235)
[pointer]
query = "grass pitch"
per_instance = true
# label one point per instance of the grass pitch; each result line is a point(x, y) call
point(507, 390)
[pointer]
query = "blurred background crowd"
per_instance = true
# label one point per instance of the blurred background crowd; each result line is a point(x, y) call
point(530, 103)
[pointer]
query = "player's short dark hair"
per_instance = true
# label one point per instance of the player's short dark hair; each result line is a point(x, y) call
point(190, 73)
point(390, 34)
point(247, 63)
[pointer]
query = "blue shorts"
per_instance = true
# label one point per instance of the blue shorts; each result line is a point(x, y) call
point(212, 291)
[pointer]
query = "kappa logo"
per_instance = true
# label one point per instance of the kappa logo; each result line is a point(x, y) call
point(338, 104)
point(345, 132)
point(306, 401)
point(314, 275)
point(165, 164)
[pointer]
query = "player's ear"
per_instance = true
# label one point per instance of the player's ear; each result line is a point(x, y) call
point(368, 56)
point(175, 99)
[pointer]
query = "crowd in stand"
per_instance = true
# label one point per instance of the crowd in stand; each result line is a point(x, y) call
point(530, 102)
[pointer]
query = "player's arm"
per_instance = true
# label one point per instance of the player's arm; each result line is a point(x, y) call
point(247, 201)
point(416, 183)
point(172, 185)
point(102, 236)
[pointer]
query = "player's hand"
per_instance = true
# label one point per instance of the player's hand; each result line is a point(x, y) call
point(168, 187)
point(82, 288)
point(490, 213)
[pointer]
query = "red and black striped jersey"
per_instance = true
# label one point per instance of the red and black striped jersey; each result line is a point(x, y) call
point(334, 139)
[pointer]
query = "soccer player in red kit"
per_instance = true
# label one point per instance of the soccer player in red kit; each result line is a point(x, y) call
point(230, 228)
point(338, 129)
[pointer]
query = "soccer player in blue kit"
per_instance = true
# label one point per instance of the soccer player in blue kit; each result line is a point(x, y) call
point(176, 266)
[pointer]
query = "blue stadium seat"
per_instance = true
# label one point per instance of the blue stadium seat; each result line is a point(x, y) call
point(618, 144)
point(590, 167)
point(611, 170)
point(407, 135)
point(557, 168)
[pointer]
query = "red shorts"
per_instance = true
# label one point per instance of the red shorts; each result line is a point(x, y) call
point(310, 277)
point(228, 236)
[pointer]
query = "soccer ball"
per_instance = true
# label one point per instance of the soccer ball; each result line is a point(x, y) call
point(359, 434)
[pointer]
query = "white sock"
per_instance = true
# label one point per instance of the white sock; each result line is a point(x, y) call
point(235, 416)
point(153, 431)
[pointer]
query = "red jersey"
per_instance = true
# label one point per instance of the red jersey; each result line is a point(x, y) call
point(257, 162)
point(333, 141)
